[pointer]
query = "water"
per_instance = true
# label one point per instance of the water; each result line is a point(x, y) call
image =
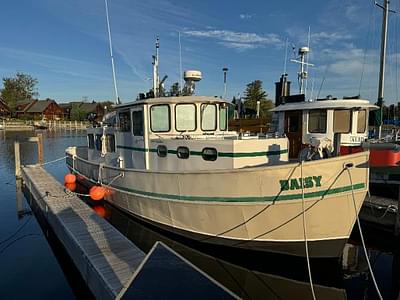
point(35, 265)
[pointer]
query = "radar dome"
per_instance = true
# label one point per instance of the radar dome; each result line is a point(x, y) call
point(192, 75)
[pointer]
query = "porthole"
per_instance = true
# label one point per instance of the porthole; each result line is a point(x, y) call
point(162, 151)
point(182, 152)
point(209, 154)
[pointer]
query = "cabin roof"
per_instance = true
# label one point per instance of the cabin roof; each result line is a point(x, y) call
point(326, 104)
point(181, 99)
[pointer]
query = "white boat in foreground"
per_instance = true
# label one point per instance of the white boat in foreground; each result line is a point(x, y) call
point(172, 162)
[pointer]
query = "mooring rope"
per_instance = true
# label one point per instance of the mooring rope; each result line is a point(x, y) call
point(362, 236)
point(305, 231)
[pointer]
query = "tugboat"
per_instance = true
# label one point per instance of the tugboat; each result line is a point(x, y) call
point(172, 162)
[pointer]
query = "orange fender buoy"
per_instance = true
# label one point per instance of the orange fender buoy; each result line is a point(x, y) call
point(69, 178)
point(97, 193)
point(100, 210)
point(71, 186)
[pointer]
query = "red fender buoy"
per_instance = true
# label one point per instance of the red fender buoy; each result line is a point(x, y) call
point(71, 186)
point(69, 178)
point(97, 193)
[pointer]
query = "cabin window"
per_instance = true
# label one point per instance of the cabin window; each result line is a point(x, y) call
point(361, 121)
point(341, 121)
point(222, 118)
point(162, 151)
point(91, 141)
point(160, 118)
point(317, 121)
point(209, 154)
point(182, 152)
point(124, 121)
point(110, 143)
point(208, 117)
point(99, 144)
point(185, 117)
point(137, 122)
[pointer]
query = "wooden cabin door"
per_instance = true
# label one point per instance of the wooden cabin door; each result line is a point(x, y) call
point(293, 130)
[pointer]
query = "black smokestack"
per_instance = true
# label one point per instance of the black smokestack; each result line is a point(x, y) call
point(282, 89)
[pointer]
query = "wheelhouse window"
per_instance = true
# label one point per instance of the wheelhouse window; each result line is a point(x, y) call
point(91, 141)
point(341, 120)
point(160, 118)
point(124, 119)
point(137, 122)
point(361, 121)
point(110, 143)
point(317, 121)
point(185, 117)
point(223, 124)
point(208, 117)
point(99, 144)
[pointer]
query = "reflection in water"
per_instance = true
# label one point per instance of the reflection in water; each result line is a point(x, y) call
point(244, 282)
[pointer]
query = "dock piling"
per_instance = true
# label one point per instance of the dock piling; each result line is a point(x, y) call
point(40, 148)
point(17, 160)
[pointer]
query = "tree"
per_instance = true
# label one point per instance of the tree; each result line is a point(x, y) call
point(253, 93)
point(20, 87)
point(77, 113)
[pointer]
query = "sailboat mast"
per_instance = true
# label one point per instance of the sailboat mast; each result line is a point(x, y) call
point(382, 63)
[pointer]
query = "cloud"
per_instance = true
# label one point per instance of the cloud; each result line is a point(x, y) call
point(329, 37)
point(237, 40)
point(245, 16)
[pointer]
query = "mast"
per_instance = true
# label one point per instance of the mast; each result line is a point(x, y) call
point(385, 8)
point(117, 101)
point(156, 79)
point(225, 70)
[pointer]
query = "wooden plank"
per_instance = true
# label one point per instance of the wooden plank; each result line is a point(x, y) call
point(105, 258)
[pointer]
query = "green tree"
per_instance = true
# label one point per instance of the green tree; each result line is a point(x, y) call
point(254, 92)
point(77, 113)
point(20, 87)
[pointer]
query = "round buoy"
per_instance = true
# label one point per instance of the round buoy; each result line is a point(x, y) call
point(69, 178)
point(71, 186)
point(100, 210)
point(97, 193)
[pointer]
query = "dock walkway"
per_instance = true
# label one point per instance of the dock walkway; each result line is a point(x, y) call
point(106, 259)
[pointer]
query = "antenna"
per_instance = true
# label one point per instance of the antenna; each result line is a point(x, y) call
point(117, 101)
point(302, 75)
point(285, 61)
point(307, 58)
point(225, 70)
point(156, 79)
point(180, 62)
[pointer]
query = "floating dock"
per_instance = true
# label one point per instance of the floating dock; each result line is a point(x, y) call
point(105, 258)
point(111, 265)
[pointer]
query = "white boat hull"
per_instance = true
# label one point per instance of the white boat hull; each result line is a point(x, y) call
point(251, 208)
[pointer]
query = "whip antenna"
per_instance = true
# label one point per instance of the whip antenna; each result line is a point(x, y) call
point(180, 62)
point(117, 101)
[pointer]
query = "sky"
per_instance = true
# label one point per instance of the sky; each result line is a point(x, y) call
point(64, 44)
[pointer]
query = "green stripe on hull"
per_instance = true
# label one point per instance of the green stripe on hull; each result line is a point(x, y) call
point(356, 186)
point(220, 154)
point(298, 196)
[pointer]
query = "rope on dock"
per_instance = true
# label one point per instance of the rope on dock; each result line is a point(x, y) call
point(305, 233)
point(362, 236)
